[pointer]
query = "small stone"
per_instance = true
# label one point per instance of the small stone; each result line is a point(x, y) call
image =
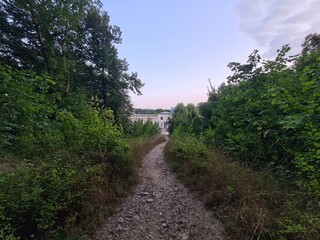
point(184, 236)
point(119, 228)
point(144, 193)
point(164, 225)
point(150, 200)
point(120, 220)
point(136, 218)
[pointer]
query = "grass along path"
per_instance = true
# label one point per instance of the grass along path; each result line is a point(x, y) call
point(160, 208)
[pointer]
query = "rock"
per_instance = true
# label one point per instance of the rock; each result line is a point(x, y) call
point(184, 236)
point(120, 220)
point(119, 228)
point(150, 200)
point(164, 225)
point(136, 218)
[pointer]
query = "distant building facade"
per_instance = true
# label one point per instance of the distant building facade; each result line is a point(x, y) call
point(161, 118)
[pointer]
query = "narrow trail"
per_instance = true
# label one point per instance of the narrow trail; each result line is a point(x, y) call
point(160, 208)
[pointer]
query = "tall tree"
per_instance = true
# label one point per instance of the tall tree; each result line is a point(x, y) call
point(311, 43)
point(73, 41)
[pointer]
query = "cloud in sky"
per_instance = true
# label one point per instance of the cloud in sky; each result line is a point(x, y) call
point(273, 23)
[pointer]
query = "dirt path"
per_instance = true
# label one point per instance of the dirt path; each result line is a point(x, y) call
point(160, 208)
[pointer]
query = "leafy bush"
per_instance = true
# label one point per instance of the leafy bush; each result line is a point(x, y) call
point(141, 129)
point(25, 105)
point(36, 200)
point(68, 166)
point(189, 151)
point(250, 204)
point(272, 119)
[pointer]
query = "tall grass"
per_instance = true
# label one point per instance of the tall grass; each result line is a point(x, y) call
point(120, 183)
point(250, 204)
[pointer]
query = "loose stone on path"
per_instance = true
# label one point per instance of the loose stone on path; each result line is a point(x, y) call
point(160, 208)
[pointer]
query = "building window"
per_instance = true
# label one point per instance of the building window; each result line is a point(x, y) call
point(161, 118)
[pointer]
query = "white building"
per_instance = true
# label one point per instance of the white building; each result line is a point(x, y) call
point(161, 118)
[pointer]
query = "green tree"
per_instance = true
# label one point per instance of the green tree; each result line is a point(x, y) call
point(311, 44)
point(72, 41)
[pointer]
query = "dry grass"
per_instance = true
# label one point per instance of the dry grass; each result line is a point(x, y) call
point(140, 147)
point(111, 187)
point(245, 201)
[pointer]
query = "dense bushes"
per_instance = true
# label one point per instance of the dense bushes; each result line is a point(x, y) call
point(60, 166)
point(141, 129)
point(250, 204)
point(65, 170)
point(267, 118)
point(25, 104)
point(238, 196)
point(272, 119)
point(64, 196)
point(64, 91)
point(39, 199)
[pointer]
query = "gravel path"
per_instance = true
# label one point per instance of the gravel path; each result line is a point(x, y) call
point(160, 208)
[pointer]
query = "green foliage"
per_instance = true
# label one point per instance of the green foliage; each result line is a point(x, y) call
point(37, 200)
point(188, 150)
point(39, 197)
point(268, 116)
point(64, 160)
point(25, 103)
point(140, 129)
point(250, 204)
point(183, 116)
point(149, 111)
point(94, 136)
point(63, 94)
point(271, 118)
point(238, 196)
point(296, 222)
point(74, 43)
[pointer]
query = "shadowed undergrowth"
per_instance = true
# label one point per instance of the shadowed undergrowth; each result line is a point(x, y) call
point(67, 196)
point(250, 204)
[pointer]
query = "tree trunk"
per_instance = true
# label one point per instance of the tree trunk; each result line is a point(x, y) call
point(39, 33)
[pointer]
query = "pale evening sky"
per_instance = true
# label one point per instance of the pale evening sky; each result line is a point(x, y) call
point(177, 45)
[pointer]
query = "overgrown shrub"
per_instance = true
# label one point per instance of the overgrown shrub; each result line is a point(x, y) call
point(250, 204)
point(271, 119)
point(67, 166)
point(25, 105)
point(38, 199)
point(188, 152)
point(140, 129)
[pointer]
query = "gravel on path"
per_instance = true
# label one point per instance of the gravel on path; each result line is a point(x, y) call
point(160, 208)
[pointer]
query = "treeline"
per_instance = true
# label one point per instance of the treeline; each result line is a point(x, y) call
point(72, 42)
point(66, 148)
point(150, 111)
point(267, 118)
